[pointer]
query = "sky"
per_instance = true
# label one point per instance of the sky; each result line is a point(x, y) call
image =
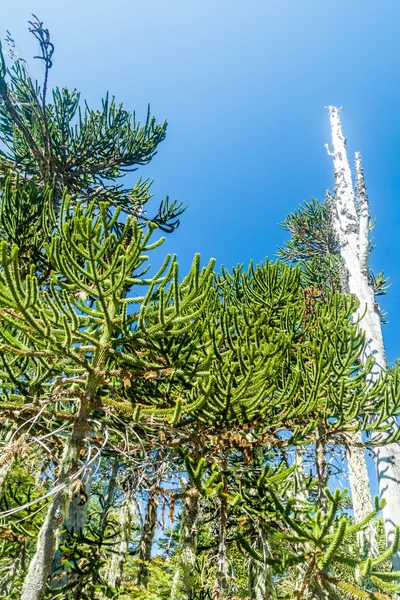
point(244, 86)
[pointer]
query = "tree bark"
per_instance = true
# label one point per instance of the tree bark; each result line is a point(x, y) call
point(187, 550)
point(47, 543)
point(322, 469)
point(76, 519)
point(147, 537)
point(221, 583)
point(301, 492)
point(126, 520)
point(109, 499)
point(74, 524)
point(352, 233)
point(150, 521)
point(361, 495)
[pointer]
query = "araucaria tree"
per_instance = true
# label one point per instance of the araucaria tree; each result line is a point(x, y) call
point(125, 391)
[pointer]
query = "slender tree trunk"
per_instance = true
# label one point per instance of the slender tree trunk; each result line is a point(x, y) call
point(150, 521)
point(147, 537)
point(302, 496)
point(358, 471)
point(260, 582)
point(187, 551)
point(300, 476)
point(47, 542)
point(221, 583)
point(74, 524)
point(126, 521)
point(352, 233)
point(76, 519)
point(322, 469)
point(109, 499)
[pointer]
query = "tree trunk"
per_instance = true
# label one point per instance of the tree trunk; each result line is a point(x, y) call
point(146, 540)
point(74, 524)
point(47, 542)
point(352, 233)
point(221, 584)
point(187, 551)
point(360, 491)
point(322, 470)
point(109, 499)
point(300, 491)
point(76, 519)
point(126, 520)
point(150, 521)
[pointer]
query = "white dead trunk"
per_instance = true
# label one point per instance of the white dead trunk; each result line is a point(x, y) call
point(364, 217)
point(352, 233)
point(361, 495)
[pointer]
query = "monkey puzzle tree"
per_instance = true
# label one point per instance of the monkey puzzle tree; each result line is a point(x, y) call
point(65, 243)
point(313, 246)
point(308, 379)
point(72, 339)
point(64, 145)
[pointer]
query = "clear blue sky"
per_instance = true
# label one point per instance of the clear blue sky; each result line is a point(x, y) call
point(243, 86)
